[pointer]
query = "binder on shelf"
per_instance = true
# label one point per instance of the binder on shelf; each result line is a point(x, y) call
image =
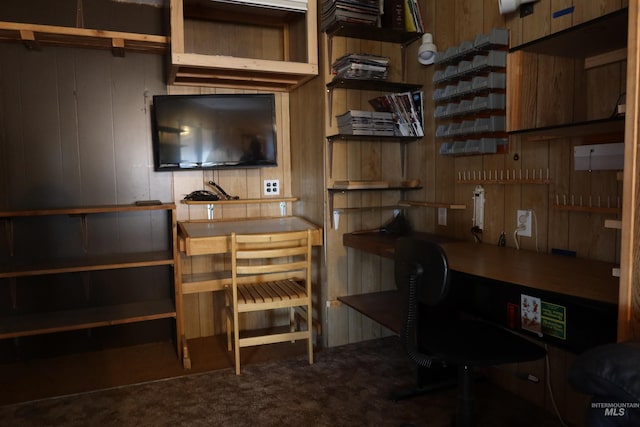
point(412, 17)
point(393, 15)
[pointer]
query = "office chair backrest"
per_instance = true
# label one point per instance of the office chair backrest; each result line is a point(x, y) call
point(427, 263)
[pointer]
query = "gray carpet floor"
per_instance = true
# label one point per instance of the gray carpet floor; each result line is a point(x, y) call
point(347, 386)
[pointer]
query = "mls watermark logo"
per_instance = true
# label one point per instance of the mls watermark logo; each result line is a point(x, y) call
point(615, 409)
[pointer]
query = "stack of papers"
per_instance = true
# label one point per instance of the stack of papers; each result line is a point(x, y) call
point(358, 122)
point(361, 66)
point(366, 12)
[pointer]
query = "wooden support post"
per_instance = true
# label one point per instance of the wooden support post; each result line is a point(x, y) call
point(29, 40)
point(117, 47)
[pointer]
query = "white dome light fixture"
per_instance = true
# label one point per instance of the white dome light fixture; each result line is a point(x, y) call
point(427, 50)
point(509, 6)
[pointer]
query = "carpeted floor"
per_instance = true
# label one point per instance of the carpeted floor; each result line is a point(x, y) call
point(347, 386)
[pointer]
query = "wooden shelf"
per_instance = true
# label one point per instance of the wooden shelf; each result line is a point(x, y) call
point(85, 210)
point(378, 138)
point(35, 36)
point(598, 36)
point(23, 263)
point(197, 69)
point(504, 181)
point(435, 205)
point(333, 191)
point(239, 201)
point(369, 32)
point(592, 209)
point(92, 317)
point(613, 223)
point(577, 129)
point(377, 85)
point(76, 265)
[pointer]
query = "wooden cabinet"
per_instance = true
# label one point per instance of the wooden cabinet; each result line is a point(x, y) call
point(586, 46)
point(81, 268)
point(246, 46)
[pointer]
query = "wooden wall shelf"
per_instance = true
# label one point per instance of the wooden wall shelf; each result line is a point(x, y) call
point(21, 266)
point(598, 36)
point(504, 181)
point(435, 205)
point(590, 127)
point(593, 209)
point(197, 69)
point(239, 201)
point(35, 36)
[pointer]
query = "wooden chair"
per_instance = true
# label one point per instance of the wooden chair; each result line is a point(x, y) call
point(270, 271)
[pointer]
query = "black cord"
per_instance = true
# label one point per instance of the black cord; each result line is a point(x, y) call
point(477, 233)
point(502, 240)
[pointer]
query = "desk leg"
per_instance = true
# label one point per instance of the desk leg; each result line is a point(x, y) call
point(186, 358)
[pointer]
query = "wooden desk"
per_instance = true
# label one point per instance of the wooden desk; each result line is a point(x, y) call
point(488, 280)
point(204, 237)
point(209, 237)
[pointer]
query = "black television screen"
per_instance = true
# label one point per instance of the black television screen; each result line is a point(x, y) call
point(214, 131)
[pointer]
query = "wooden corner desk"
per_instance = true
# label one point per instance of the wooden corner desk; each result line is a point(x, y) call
point(579, 296)
point(209, 237)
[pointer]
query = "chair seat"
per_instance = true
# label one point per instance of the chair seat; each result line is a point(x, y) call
point(279, 293)
point(477, 343)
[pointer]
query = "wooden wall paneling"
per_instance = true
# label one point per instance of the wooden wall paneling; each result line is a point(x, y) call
point(534, 162)
point(561, 22)
point(38, 145)
point(337, 316)
point(130, 124)
point(9, 72)
point(491, 17)
point(495, 220)
point(538, 24)
point(522, 93)
point(560, 161)
point(512, 192)
point(67, 117)
point(554, 95)
point(585, 11)
point(95, 129)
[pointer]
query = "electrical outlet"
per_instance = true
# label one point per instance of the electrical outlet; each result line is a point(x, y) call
point(271, 187)
point(523, 223)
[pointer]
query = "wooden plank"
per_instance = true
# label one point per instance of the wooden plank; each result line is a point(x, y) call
point(629, 313)
point(35, 35)
point(605, 58)
point(76, 265)
point(44, 323)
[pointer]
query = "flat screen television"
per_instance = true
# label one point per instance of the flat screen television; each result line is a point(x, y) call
point(215, 131)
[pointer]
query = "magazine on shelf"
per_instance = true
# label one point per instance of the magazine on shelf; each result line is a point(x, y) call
point(407, 111)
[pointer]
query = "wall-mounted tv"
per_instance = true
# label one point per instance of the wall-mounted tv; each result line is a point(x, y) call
point(217, 131)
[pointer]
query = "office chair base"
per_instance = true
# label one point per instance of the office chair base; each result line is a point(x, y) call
point(428, 380)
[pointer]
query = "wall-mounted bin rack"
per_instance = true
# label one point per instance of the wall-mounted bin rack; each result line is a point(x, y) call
point(470, 96)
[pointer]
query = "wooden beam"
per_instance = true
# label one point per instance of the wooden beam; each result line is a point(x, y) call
point(117, 47)
point(605, 58)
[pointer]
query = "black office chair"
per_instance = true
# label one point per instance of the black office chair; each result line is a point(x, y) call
point(435, 333)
